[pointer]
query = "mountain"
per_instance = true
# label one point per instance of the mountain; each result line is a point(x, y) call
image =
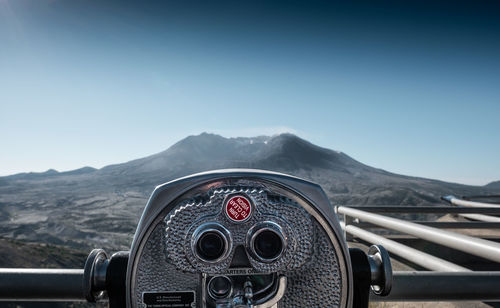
point(493, 185)
point(50, 172)
point(88, 207)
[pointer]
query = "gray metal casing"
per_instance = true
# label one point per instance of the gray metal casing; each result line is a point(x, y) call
point(166, 196)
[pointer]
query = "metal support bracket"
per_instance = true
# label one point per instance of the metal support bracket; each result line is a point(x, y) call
point(103, 275)
point(372, 271)
point(94, 275)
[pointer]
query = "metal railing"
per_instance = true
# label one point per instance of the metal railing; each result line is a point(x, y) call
point(443, 286)
point(476, 246)
point(459, 202)
point(445, 280)
point(20, 284)
point(418, 257)
point(480, 217)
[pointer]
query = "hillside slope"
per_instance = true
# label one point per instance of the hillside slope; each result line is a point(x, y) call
point(88, 208)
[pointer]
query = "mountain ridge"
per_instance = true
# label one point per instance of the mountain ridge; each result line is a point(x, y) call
point(194, 138)
point(494, 185)
point(86, 207)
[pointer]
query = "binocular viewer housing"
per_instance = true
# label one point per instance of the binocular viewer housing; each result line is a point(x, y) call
point(238, 238)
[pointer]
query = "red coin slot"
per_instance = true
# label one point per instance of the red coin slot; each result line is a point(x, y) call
point(238, 208)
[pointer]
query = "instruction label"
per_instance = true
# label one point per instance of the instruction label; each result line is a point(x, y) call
point(177, 299)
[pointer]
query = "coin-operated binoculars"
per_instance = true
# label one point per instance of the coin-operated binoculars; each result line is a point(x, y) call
point(238, 238)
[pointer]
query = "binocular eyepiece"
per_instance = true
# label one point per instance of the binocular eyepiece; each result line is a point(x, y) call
point(211, 242)
point(266, 241)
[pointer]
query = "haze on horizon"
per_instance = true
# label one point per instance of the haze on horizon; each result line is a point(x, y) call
point(410, 87)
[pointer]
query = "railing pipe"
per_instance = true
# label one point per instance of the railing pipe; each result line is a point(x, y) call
point(475, 246)
point(442, 224)
point(441, 286)
point(418, 257)
point(481, 217)
point(19, 284)
point(456, 201)
point(429, 209)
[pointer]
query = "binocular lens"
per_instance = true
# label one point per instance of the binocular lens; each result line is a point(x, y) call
point(219, 287)
point(266, 241)
point(210, 246)
point(268, 245)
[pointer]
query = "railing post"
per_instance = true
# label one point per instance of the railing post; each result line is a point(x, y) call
point(348, 220)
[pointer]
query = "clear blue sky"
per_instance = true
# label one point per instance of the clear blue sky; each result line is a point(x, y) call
point(412, 87)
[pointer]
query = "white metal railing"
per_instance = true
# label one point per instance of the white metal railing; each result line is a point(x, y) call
point(456, 201)
point(416, 256)
point(446, 281)
point(479, 247)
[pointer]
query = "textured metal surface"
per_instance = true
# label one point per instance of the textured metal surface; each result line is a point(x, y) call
point(318, 282)
point(156, 273)
point(310, 261)
point(295, 222)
